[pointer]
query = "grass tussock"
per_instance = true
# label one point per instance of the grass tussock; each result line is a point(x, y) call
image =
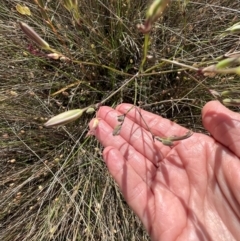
point(53, 183)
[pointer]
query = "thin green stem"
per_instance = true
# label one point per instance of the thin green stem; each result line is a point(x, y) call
point(103, 66)
point(145, 50)
point(122, 86)
point(179, 64)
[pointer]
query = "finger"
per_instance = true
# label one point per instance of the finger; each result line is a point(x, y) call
point(139, 138)
point(140, 164)
point(158, 125)
point(223, 124)
point(136, 192)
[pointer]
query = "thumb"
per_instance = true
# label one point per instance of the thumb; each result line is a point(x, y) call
point(223, 124)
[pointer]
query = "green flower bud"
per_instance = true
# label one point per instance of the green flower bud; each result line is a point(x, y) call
point(225, 63)
point(231, 102)
point(237, 70)
point(234, 29)
point(90, 110)
point(153, 13)
point(68, 4)
point(230, 92)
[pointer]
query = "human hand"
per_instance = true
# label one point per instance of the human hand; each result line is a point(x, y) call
point(190, 191)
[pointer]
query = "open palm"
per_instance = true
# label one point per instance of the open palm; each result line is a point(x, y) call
point(190, 191)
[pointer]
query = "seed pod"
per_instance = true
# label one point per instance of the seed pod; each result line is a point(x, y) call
point(167, 142)
point(120, 118)
point(34, 36)
point(178, 138)
point(116, 130)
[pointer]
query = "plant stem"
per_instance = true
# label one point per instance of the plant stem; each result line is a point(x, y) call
point(122, 86)
point(145, 50)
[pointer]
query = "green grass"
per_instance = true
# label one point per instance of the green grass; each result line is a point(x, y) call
point(53, 182)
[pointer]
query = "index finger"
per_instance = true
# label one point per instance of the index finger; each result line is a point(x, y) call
point(158, 125)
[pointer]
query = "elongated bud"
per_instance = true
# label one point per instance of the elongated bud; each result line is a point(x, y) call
point(234, 29)
point(40, 3)
point(237, 70)
point(153, 13)
point(232, 55)
point(64, 118)
point(230, 92)
point(225, 63)
point(231, 102)
point(68, 4)
point(156, 9)
point(34, 36)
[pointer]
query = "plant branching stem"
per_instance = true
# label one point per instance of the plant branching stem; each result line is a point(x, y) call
point(122, 86)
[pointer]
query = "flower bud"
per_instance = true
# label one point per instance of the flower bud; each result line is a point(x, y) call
point(64, 118)
point(230, 92)
point(234, 29)
point(237, 70)
point(231, 102)
point(95, 123)
point(153, 13)
point(209, 71)
point(215, 93)
point(225, 63)
point(90, 110)
point(34, 36)
point(68, 4)
point(53, 56)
